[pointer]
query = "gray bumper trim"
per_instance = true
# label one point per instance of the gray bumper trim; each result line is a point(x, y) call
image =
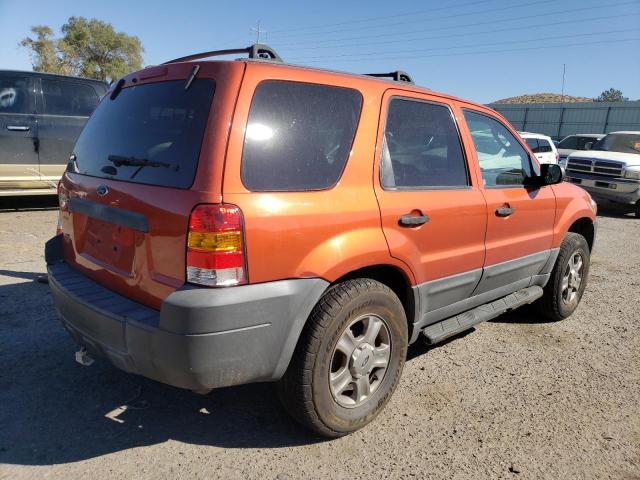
point(201, 339)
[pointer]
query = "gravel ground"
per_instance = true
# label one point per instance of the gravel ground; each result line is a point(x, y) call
point(515, 398)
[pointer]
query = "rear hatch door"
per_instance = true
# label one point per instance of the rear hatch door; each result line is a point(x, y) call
point(147, 156)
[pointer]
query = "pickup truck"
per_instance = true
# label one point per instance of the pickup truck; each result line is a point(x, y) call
point(610, 171)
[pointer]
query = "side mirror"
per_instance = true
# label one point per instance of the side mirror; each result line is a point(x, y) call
point(588, 145)
point(551, 174)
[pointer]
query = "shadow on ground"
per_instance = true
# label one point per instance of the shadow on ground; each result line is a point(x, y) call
point(57, 411)
point(612, 210)
point(26, 203)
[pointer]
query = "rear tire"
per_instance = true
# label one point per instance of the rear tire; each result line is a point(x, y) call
point(348, 360)
point(568, 280)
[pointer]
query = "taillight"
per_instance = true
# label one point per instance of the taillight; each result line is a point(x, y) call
point(63, 203)
point(557, 157)
point(215, 246)
point(63, 197)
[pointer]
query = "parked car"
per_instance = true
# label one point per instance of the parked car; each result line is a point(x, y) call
point(541, 146)
point(41, 116)
point(227, 222)
point(610, 171)
point(572, 143)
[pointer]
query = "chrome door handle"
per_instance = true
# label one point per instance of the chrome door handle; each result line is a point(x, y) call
point(504, 211)
point(413, 220)
point(18, 128)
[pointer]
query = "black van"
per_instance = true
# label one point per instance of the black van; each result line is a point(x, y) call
point(41, 116)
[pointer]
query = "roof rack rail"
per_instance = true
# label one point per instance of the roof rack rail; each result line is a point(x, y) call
point(257, 51)
point(397, 76)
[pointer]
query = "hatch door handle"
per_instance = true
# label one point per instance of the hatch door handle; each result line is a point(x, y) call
point(413, 220)
point(18, 128)
point(505, 211)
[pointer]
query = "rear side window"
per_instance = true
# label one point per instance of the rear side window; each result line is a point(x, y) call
point(503, 161)
point(544, 146)
point(14, 95)
point(68, 98)
point(148, 134)
point(298, 136)
point(421, 147)
point(533, 144)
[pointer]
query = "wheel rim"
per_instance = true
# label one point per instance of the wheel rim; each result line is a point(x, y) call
point(572, 278)
point(359, 360)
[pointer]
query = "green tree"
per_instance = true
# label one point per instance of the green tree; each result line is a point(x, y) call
point(611, 95)
point(87, 48)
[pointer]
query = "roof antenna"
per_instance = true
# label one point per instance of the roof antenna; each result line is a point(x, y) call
point(258, 31)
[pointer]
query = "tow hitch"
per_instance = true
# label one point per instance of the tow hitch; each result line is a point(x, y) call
point(83, 357)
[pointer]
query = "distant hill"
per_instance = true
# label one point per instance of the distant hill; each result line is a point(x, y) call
point(544, 98)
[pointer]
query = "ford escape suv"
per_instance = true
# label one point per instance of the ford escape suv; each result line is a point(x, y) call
point(226, 222)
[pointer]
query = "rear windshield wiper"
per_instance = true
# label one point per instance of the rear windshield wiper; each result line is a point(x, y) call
point(120, 160)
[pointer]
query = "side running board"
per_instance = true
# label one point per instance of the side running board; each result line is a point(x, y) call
point(451, 326)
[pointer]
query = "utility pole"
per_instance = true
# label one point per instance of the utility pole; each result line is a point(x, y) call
point(258, 31)
point(564, 69)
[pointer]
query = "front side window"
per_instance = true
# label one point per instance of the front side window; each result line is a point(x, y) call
point(14, 95)
point(421, 147)
point(570, 143)
point(68, 98)
point(585, 143)
point(503, 161)
point(298, 136)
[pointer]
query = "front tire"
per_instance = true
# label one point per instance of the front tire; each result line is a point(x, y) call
point(348, 360)
point(563, 292)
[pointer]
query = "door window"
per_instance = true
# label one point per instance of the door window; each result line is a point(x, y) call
point(581, 143)
point(570, 143)
point(544, 146)
point(14, 94)
point(68, 98)
point(503, 161)
point(421, 147)
point(533, 144)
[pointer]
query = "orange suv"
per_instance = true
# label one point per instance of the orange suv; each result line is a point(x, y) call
point(226, 222)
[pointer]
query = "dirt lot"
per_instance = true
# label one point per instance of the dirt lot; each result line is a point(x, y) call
point(516, 398)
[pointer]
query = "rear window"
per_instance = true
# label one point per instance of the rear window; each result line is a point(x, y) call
point(298, 136)
point(619, 142)
point(149, 134)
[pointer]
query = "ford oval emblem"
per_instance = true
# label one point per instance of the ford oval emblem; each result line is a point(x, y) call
point(102, 190)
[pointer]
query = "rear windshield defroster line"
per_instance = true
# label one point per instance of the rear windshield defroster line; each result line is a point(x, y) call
point(161, 123)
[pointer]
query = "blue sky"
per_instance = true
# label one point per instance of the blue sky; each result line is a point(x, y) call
point(477, 49)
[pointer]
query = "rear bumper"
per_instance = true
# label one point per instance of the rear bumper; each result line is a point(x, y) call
point(200, 339)
point(617, 190)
